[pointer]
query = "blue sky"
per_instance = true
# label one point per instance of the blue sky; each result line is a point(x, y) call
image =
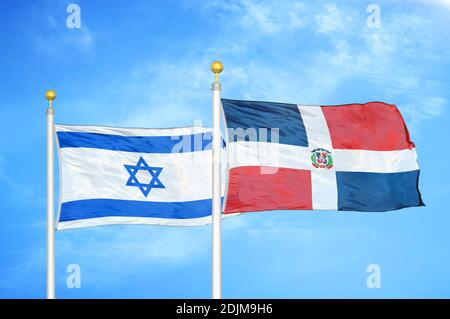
point(142, 63)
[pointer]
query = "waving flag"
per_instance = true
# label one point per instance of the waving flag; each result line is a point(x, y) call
point(134, 176)
point(349, 157)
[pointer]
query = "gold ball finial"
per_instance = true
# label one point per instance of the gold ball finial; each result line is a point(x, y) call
point(216, 68)
point(50, 95)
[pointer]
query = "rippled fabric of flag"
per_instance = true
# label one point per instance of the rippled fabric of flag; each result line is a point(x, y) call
point(134, 176)
point(356, 157)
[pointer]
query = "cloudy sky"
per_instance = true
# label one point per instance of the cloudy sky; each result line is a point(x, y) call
point(146, 64)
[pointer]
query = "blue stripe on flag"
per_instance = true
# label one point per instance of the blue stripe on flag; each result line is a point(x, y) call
point(378, 191)
point(139, 144)
point(93, 208)
point(244, 116)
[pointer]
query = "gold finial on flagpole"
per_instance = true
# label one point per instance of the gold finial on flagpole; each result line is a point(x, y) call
point(50, 95)
point(216, 68)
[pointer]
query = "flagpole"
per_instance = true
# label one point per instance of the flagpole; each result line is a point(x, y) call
point(50, 95)
point(216, 68)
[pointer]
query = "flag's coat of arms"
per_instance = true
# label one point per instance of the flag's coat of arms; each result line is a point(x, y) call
point(346, 157)
point(321, 158)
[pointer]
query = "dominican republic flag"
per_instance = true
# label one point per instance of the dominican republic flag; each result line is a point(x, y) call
point(134, 176)
point(356, 157)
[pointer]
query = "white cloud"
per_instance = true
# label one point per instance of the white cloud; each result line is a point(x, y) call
point(389, 58)
point(443, 3)
point(55, 45)
point(168, 94)
point(424, 108)
point(55, 38)
point(267, 17)
point(434, 106)
point(57, 42)
point(333, 20)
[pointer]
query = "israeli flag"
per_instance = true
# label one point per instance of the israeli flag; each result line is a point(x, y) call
point(134, 176)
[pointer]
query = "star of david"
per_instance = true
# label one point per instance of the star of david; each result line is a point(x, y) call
point(143, 166)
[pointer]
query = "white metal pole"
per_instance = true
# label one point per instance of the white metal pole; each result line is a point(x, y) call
point(216, 67)
point(50, 95)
